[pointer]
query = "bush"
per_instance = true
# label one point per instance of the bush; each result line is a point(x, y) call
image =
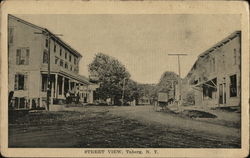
point(189, 99)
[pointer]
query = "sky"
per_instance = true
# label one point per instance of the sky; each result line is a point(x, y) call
point(140, 42)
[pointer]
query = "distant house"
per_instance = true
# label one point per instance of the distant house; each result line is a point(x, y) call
point(144, 100)
point(28, 50)
point(215, 77)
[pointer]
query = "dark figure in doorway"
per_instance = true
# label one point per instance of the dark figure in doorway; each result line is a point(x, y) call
point(11, 94)
point(77, 98)
point(67, 98)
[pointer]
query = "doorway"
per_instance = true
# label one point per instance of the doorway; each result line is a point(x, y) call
point(222, 93)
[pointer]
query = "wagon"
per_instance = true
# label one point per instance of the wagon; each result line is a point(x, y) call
point(162, 99)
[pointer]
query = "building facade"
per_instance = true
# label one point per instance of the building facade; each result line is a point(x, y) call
point(32, 50)
point(215, 78)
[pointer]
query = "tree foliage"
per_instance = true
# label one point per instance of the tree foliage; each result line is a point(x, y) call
point(167, 81)
point(111, 75)
point(132, 91)
point(148, 90)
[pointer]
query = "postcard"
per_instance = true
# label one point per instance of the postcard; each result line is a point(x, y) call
point(124, 79)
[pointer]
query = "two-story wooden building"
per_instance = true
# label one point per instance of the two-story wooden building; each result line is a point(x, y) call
point(31, 49)
point(215, 77)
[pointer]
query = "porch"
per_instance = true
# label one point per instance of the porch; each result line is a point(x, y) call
point(62, 84)
point(206, 93)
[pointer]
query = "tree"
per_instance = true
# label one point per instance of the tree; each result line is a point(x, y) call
point(167, 82)
point(131, 91)
point(148, 90)
point(110, 74)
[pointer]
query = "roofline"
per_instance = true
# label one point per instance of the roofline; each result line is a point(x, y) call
point(85, 79)
point(49, 32)
point(25, 22)
point(235, 33)
point(64, 43)
point(220, 43)
point(76, 77)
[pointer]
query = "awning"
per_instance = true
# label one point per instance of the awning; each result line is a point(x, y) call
point(211, 83)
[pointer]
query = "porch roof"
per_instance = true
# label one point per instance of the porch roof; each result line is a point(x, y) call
point(77, 77)
point(210, 83)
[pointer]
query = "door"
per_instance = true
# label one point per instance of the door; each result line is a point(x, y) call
point(222, 93)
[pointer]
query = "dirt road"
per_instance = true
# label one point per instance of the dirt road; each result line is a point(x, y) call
point(146, 114)
point(124, 127)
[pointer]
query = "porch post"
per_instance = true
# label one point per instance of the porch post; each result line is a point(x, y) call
point(91, 96)
point(62, 85)
point(56, 90)
point(52, 93)
point(74, 85)
point(69, 85)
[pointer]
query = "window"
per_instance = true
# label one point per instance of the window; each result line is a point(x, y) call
point(22, 56)
point(60, 82)
point(233, 86)
point(44, 82)
point(69, 57)
point(76, 69)
point(56, 60)
point(61, 63)
point(207, 92)
point(74, 60)
point(46, 43)
point(45, 57)
point(66, 54)
point(60, 51)
point(20, 82)
point(213, 62)
point(10, 35)
point(210, 66)
point(20, 103)
point(71, 68)
point(66, 65)
point(235, 57)
point(55, 47)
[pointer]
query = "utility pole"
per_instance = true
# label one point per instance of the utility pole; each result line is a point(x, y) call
point(179, 79)
point(48, 77)
point(123, 89)
point(48, 37)
point(172, 84)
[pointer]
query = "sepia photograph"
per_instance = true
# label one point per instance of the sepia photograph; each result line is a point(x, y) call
point(73, 79)
point(133, 81)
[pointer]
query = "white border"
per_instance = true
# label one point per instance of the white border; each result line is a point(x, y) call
point(125, 7)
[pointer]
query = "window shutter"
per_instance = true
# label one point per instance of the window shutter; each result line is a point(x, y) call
point(18, 55)
point(16, 82)
point(27, 56)
point(25, 82)
point(23, 56)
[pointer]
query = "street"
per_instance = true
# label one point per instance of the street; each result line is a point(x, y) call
point(118, 127)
